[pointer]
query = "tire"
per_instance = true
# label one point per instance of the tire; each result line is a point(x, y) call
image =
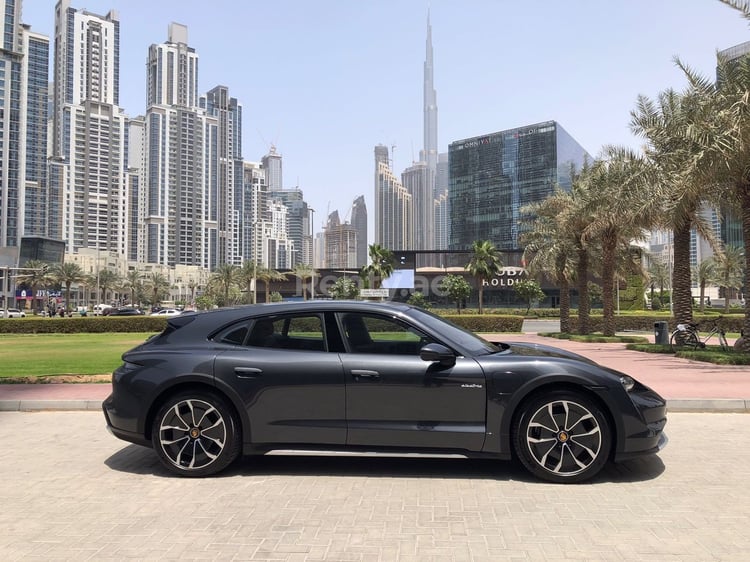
point(196, 434)
point(562, 436)
point(683, 339)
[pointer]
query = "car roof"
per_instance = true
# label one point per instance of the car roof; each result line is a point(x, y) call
point(201, 320)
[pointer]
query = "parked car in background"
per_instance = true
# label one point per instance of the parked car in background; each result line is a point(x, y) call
point(101, 309)
point(358, 376)
point(12, 313)
point(166, 312)
point(125, 311)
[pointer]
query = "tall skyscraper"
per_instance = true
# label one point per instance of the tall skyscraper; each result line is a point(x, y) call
point(24, 70)
point(430, 108)
point(296, 221)
point(226, 188)
point(394, 227)
point(88, 188)
point(493, 176)
point(272, 164)
point(359, 222)
point(182, 220)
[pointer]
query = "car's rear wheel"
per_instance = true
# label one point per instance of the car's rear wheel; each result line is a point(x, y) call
point(196, 434)
point(562, 436)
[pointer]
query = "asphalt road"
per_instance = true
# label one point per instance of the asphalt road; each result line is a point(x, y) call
point(71, 491)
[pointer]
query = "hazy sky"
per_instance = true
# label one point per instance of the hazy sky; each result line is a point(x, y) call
point(327, 80)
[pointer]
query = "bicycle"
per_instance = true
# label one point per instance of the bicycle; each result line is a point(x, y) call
point(687, 336)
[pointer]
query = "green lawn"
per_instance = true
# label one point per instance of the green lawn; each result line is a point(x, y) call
point(64, 354)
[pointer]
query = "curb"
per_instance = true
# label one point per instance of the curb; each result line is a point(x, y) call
point(718, 405)
point(42, 405)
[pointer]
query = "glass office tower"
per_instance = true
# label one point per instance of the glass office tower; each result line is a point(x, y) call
point(491, 177)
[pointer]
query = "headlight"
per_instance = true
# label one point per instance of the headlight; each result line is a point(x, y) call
point(627, 382)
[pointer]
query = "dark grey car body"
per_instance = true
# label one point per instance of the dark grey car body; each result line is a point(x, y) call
point(437, 389)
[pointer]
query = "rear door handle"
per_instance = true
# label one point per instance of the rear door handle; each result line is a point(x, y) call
point(247, 372)
point(365, 374)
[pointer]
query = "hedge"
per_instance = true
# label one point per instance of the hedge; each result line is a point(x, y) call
point(77, 324)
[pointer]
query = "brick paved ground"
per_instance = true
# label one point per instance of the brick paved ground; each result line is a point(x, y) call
point(71, 491)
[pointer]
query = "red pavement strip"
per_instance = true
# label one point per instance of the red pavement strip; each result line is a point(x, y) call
point(687, 385)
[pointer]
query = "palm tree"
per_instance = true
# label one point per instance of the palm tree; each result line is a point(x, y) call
point(658, 274)
point(268, 275)
point(134, 283)
point(303, 272)
point(158, 285)
point(671, 155)
point(247, 276)
point(225, 277)
point(484, 264)
point(35, 274)
point(622, 208)
point(729, 268)
point(721, 131)
point(106, 280)
point(67, 274)
point(381, 264)
point(704, 273)
point(550, 249)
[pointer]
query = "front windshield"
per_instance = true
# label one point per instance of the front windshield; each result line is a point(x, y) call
point(455, 335)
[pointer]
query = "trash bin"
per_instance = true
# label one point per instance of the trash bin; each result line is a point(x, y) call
point(661, 333)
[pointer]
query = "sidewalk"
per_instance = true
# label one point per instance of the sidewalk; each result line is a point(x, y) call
point(687, 385)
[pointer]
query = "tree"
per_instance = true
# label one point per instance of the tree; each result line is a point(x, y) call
point(704, 273)
point(677, 180)
point(106, 279)
point(158, 285)
point(456, 288)
point(303, 272)
point(67, 274)
point(658, 275)
point(35, 274)
point(622, 208)
point(134, 284)
point(418, 299)
point(721, 133)
point(484, 264)
point(528, 290)
point(549, 248)
point(344, 288)
point(381, 264)
point(247, 276)
point(223, 280)
point(729, 269)
point(268, 275)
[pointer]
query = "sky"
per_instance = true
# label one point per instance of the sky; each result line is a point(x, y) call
point(327, 80)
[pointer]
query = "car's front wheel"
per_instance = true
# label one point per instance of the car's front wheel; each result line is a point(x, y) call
point(562, 437)
point(196, 434)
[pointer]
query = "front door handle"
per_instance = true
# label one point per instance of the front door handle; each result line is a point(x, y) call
point(365, 374)
point(247, 372)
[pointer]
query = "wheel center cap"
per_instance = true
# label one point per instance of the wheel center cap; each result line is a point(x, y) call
point(563, 436)
point(195, 432)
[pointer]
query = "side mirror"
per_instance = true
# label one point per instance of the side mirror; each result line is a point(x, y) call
point(437, 353)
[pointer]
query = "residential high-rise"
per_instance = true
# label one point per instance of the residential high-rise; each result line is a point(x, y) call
point(442, 210)
point(493, 176)
point(226, 183)
point(340, 244)
point(182, 220)
point(418, 181)
point(24, 70)
point(394, 228)
point(359, 222)
point(88, 184)
point(297, 222)
point(272, 164)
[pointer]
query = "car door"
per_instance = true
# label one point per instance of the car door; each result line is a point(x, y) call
point(291, 386)
point(395, 399)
